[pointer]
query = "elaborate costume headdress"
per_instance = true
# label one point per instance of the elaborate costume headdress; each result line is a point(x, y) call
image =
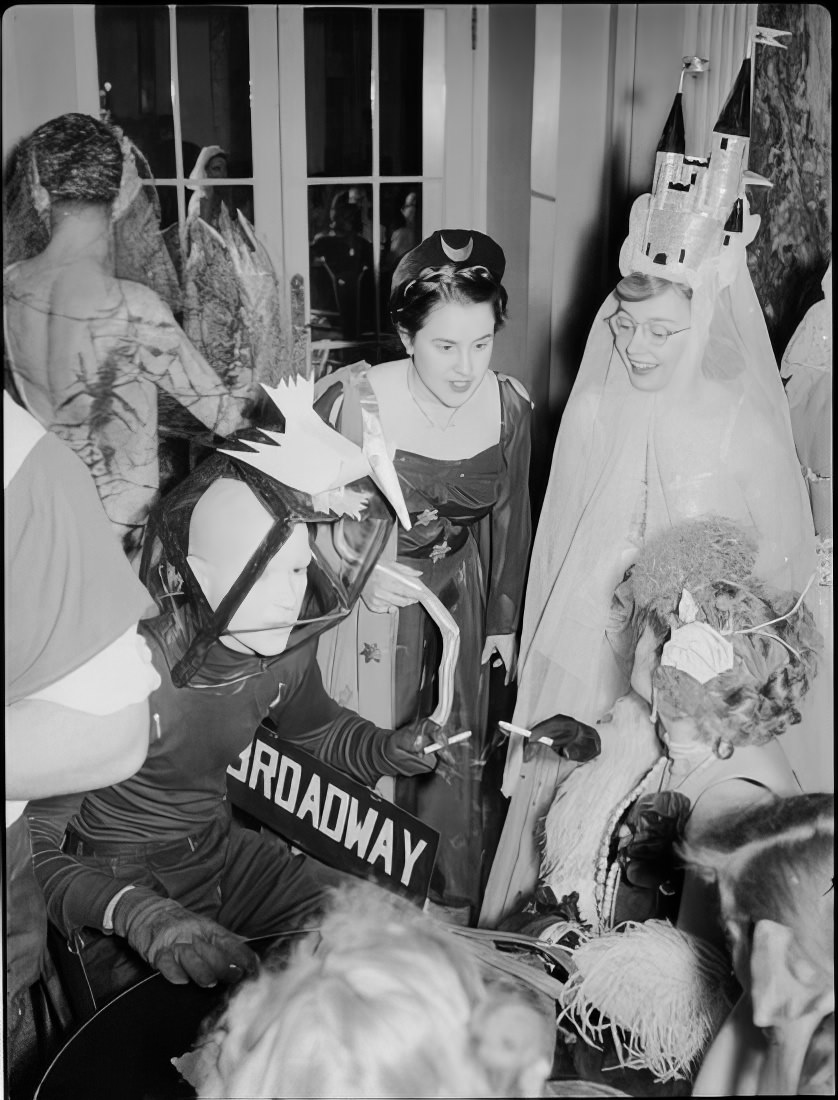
point(697, 204)
point(630, 463)
point(459, 248)
point(307, 474)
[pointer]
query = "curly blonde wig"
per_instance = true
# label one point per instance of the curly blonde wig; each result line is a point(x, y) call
point(714, 559)
point(773, 667)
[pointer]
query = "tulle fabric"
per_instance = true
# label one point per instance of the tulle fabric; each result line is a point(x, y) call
point(627, 464)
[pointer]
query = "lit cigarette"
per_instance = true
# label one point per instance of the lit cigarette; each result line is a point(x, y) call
point(437, 745)
point(509, 728)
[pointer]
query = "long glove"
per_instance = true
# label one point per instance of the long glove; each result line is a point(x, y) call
point(403, 748)
point(180, 944)
point(656, 822)
point(571, 739)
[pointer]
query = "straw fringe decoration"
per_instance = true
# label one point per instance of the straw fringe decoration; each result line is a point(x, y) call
point(658, 992)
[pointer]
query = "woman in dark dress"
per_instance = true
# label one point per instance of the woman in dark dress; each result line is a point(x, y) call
point(461, 436)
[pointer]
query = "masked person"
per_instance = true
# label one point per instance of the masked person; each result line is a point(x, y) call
point(90, 342)
point(247, 572)
point(677, 411)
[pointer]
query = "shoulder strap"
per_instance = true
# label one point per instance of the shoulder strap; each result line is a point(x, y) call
point(517, 385)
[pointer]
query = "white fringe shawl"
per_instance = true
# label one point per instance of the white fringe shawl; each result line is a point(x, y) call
point(576, 822)
point(665, 991)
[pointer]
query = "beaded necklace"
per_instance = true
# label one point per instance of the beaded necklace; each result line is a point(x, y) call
point(605, 879)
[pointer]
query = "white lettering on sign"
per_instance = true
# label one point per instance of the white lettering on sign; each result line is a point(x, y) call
point(288, 800)
point(383, 847)
point(265, 760)
point(335, 813)
point(411, 855)
point(334, 794)
point(310, 803)
point(359, 836)
point(241, 771)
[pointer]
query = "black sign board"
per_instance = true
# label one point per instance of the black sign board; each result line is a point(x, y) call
point(331, 816)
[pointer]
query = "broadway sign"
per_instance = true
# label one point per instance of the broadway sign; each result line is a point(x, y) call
point(331, 816)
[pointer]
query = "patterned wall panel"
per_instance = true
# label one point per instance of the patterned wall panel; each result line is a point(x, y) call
point(791, 144)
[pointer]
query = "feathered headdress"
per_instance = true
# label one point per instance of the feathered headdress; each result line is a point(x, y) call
point(660, 993)
point(313, 458)
point(698, 205)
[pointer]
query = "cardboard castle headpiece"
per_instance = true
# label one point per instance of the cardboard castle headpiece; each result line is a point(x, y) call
point(696, 204)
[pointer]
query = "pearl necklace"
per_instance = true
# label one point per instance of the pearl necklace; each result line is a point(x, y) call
point(437, 427)
point(605, 879)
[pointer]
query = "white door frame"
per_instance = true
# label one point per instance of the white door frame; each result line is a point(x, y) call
point(455, 130)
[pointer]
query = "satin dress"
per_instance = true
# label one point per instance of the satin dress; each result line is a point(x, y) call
point(470, 537)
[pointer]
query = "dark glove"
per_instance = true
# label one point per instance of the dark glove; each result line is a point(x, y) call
point(571, 739)
point(656, 822)
point(403, 747)
point(180, 944)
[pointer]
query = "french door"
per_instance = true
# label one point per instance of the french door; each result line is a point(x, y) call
point(382, 140)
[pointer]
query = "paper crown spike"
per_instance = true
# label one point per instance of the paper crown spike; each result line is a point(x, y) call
point(312, 457)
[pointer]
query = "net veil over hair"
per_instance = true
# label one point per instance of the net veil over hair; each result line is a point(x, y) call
point(628, 463)
point(715, 440)
point(140, 252)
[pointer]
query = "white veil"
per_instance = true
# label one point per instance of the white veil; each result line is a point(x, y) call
point(628, 463)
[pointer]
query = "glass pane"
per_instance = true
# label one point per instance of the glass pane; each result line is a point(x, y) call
point(341, 268)
point(214, 78)
point(338, 67)
point(401, 215)
point(400, 40)
point(132, 49)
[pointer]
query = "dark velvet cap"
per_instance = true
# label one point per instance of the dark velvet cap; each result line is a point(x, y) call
point(460, 247)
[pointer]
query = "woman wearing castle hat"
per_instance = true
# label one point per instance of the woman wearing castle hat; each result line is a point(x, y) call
point(460, 433)
point(677, 412)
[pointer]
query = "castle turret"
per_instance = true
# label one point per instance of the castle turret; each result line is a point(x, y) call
point(736, 113)
point(673, 139)
point(669, 157)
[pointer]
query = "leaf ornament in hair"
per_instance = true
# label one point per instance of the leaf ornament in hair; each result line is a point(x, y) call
point(703, 652)
point(696, 647)
point(313, 458)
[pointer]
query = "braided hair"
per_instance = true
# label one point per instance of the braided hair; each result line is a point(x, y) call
point(412, 302)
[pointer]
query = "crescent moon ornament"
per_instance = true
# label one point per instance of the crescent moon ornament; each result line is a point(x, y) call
point(457, 255)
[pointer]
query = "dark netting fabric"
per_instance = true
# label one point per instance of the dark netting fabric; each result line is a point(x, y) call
point(140, 252)
point(344, 552)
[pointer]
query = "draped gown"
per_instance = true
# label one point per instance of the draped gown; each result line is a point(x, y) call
point(470, 538)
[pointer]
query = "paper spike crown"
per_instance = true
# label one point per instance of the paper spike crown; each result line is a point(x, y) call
point(696, 204)
point(313, 458)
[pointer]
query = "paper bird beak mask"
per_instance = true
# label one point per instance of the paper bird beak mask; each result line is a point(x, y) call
point(309, 474)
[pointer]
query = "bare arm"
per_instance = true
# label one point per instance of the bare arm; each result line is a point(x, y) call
point(52, 749)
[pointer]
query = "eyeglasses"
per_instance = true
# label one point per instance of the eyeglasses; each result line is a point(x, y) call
point(623, 327)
